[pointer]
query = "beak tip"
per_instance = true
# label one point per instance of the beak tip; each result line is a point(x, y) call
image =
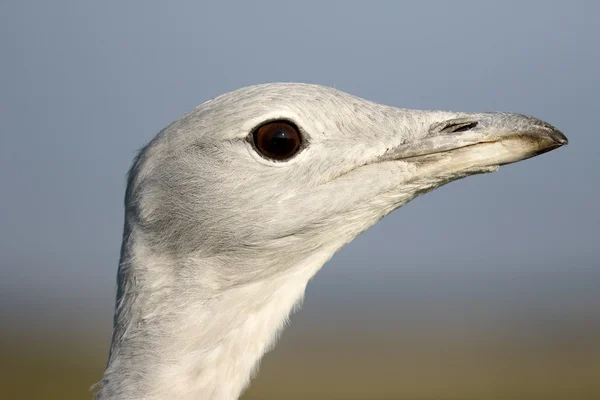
point(550, 131)
point(559, 137)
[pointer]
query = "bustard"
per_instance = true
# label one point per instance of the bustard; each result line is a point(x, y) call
point(231, 209)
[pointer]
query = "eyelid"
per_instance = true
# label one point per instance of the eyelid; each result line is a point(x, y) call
point(251, 124)
point(303, 133)
point(256, 153)
point(282, 120)
point(262, 137)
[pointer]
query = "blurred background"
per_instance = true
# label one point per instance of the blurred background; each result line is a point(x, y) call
point(488, 288)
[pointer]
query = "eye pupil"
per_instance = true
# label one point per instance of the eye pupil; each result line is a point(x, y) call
point(277, 140)
point(281, 142)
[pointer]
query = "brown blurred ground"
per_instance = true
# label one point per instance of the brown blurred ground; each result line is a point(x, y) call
point(321, 365)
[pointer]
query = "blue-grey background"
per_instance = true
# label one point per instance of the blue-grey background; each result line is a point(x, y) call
point(83, 85)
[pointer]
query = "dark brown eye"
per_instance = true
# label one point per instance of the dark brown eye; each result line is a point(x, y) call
point(277, 140)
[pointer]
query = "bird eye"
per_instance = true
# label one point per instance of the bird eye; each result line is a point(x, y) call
point(277, 140)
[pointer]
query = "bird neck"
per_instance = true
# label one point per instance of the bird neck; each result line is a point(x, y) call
point(179, 336)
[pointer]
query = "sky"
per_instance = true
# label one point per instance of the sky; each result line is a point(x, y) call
point(84, 85)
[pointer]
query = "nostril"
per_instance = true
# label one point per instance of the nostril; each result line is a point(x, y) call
point(465, 127)
point(454, 127)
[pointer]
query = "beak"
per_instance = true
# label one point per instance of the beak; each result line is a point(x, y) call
point(482, 140)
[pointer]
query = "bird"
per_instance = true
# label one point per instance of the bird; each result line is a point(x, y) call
point(233, 208)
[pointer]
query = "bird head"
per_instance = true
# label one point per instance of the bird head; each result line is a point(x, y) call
point(264, 177)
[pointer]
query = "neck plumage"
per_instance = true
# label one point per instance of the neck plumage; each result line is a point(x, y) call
point(178, 335)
